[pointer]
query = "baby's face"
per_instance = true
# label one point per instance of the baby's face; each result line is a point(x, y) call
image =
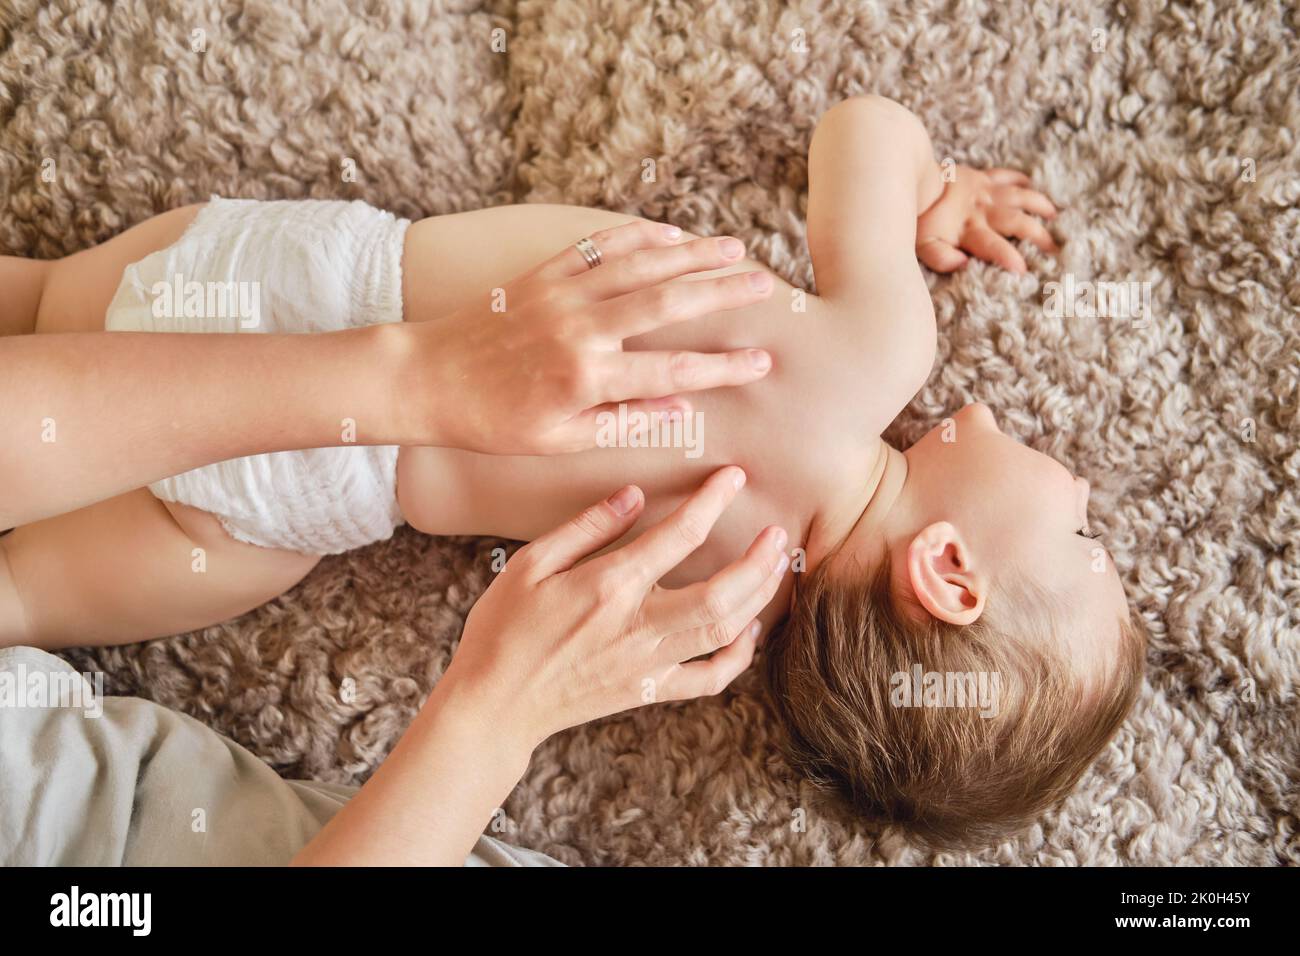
point(1018, 508)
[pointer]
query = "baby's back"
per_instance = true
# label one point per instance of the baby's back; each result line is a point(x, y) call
point(799, 433)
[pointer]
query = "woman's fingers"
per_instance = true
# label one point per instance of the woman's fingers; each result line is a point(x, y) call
point(650, 266)
point(698, 642)
point(707, 616)
point(707, 678)
point(726, 593)
point(667, 544)
point(585, 533)
point(660, 374)
point(612, 243)
point(644, 418)
point(646, 309)
point(648, 374)
point(642, 414)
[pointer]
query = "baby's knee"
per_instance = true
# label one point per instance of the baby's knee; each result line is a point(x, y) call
point(414, 478)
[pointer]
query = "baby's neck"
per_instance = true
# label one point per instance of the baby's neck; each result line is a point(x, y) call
point(861, 506)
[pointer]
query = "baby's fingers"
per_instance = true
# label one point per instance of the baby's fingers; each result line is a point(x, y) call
point(989, 246)
point(1030, 200)
point(939, 255)
point(1008, 177)
point(1013, 222)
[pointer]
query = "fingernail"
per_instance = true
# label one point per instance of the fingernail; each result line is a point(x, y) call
point(760, 360)
point(781, 538)
point(672, 232)
point(625, 499)
point(760, 281)
point(731, 248)
point(782, 565)
point(738, 478)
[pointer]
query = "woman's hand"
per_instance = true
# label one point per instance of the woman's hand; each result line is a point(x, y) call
point(552, 645)
point(975, 212)
point(531, 375)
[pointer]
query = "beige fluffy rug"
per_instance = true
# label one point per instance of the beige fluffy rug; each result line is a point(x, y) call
point(1166, 130)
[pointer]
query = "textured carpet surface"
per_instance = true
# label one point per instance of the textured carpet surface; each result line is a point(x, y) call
point(1167, 133)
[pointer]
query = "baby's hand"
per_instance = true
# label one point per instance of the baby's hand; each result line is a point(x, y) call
point(975, 212)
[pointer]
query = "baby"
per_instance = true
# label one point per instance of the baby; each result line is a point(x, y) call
point(956, 648)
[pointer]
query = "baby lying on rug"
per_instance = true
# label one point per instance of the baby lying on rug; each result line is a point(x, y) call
point(962, 564)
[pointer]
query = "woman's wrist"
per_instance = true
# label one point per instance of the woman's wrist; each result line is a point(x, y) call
point(509, 729)
point(408, 381)
point(431, 798)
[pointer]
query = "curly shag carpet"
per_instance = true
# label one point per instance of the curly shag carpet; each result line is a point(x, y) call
point(1166, 131)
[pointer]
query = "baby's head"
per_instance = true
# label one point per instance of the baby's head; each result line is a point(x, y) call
point(960, 660)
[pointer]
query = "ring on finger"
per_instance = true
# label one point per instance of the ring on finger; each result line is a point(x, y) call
point(590, 253)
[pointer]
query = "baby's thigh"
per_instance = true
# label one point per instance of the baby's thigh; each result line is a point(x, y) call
point(132, 568)
point(453, 261)
point(79, 287)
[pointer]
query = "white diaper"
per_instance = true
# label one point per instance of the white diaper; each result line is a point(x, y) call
point(296, 266)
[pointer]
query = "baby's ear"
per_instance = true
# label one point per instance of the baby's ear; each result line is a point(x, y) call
point(942, 576)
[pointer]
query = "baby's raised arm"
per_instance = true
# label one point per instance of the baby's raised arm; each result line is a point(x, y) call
point(878, 202)
point(871, 173)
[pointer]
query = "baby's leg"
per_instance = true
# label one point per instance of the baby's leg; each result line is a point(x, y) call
point(130, 568)
point(23, 281)
point(79, 287)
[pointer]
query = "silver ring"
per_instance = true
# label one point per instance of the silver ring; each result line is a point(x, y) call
point(590, 254)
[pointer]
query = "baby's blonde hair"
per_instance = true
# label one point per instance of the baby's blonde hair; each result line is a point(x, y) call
point(951, 776)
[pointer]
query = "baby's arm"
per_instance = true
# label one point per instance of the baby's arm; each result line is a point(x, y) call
point(871, 173)
point(874, 183)
point(130, 569)
point(877, 202)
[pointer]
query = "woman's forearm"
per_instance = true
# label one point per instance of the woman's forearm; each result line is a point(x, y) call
point(85, 416)
point(430, 800)
point(88, 416)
